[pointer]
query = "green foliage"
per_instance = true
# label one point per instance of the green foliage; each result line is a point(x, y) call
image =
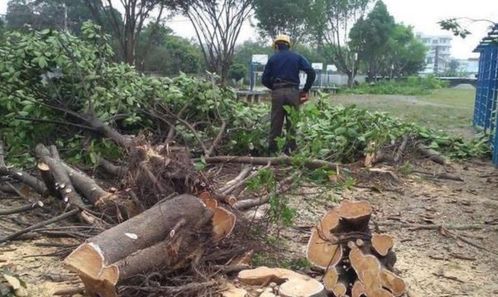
point(413, 85)
point(163, 53)
point(385, 48)
point(369, 36)
point(280, 211)
point(453, 26)
point(237, 72)
point(344, 133)
point(283, 16)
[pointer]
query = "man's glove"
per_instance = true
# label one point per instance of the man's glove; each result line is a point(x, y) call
point(303, 97)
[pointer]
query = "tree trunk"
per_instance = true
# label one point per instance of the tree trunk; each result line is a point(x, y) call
point(166, 235)
point(350, 79)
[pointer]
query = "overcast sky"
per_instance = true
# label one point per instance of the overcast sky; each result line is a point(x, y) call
point(422, 14)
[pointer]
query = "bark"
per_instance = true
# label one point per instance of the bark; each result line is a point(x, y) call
point(282, 160)
point(109, 167)
point(20, 175)
point(62, 181)
point(134, 247)
point(27, 179)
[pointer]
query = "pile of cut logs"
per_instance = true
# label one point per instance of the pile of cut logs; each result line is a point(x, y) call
point(356, 262)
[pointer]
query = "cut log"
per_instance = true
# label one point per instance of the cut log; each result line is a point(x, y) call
point(48, 179)
point(88, 187)
point(393, 283)
point(373, 275)
point(382, 243)
point(355, 262)
point(358, 289)
point(223, 220)
point(223, 223)
point(62, 181)
point(321, 252)
point(134, 247)
point(334, 282)
point(109, 167)
point(292, 284)
point(355, 213)
point(209, 200)
point(27, 179)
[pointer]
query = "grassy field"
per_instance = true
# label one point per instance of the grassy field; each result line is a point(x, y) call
point(445, 109)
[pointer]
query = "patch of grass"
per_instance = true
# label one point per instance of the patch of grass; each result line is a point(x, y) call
point(445, 109)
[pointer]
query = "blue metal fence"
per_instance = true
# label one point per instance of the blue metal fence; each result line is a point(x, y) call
point(486, 107)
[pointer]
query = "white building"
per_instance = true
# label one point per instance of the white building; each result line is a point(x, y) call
point(438, 53)
point(468, 67)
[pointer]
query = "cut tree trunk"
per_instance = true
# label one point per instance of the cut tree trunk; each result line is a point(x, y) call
point(61, 178)
point(356, 263)
point(167, 235)
point(292, 284)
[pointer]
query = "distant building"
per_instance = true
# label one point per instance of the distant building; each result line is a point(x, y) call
point(468, 67)
point(437, 57)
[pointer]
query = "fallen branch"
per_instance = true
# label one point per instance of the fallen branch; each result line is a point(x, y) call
point(282, 160)
point(401, 149)
point(39, 225)
point(433, 155)
point(23, 208)
point(109, 167)
point(242, 175)
point(217, 139)
point(443, 175)
point(248, 203)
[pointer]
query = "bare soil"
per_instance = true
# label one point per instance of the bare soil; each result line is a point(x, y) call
point(431, 261)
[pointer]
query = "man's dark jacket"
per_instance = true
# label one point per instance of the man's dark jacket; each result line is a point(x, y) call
point(284, 66)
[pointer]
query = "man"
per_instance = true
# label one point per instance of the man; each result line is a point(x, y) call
point(281, 75)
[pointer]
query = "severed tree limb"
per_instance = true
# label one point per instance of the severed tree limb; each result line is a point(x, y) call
point(433, 155)
point(281, 160)
point(61, 178)
point(243, 174)
point(218, 138)
point(23, 208)
point(39, 225)
point(401, 149)
point(281, 188)
point(20, 175)
point(443, 175)
point(111, 168)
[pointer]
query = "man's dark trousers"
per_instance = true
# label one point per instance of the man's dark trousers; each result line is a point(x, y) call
point(286, 96)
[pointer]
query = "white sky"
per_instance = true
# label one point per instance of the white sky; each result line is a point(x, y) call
point(422, 14)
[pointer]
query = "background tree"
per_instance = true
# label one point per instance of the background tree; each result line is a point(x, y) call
point(369, 38)
point(136, 12)
point(332, 22)
point(453, 66)
point(167, 54)
point(283, 16)
point(217, 26)
point(66, 15)
point(404, 54)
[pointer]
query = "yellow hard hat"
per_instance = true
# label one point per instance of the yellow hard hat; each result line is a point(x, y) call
point(281, 38)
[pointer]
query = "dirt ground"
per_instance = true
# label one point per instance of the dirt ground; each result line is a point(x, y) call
point(433, 264)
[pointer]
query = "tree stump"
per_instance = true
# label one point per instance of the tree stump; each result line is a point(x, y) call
point(356, 262)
